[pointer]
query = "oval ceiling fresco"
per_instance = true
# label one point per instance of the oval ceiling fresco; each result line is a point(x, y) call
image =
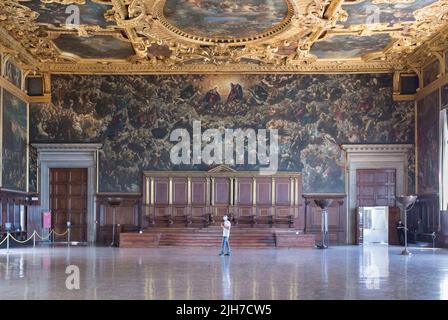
point(225, 18)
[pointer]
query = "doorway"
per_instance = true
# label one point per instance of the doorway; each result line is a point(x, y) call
point(374, 225)
point(375, 191)
point(375, 187)
point(68, 201)
point(368, 157)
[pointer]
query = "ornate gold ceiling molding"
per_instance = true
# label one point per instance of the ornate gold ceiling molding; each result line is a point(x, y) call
point(285, 48)
point(64, 2)
point(11, 46)
point(20, 22)
point(392, 1)
point(67, 2)
point(148, 68)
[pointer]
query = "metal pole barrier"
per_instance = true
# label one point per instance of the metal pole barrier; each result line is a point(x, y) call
point(405, 231)
point(68, 231)
point(34, 239)
point(7, 241)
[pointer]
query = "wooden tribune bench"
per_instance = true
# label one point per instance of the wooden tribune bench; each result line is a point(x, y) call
point(287, 219)
point(203, 219)
point(245, 219)
point(167, 218)
point(269, 220)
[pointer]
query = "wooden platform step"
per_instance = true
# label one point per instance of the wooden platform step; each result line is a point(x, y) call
point(212, 237)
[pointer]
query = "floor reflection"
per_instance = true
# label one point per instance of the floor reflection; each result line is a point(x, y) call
point(226, 280)
point(374, 265)
point(346, 272)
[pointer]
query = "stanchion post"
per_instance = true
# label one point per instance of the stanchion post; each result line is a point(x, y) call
point(34, 239)
point(68, 231)
point(7, 241)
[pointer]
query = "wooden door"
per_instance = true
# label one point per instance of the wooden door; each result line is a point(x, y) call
point(375, 187)
point(68, 201)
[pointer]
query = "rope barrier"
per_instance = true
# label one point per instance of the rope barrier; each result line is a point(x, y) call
point(60, 234)
point(33, 235)
point(22, 241)
point(6, 238)
point(44, 238)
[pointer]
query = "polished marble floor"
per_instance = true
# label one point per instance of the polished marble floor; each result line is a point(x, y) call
point(345, 272)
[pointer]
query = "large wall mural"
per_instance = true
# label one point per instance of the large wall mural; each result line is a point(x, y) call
point(428, 143)
point(14, 142)
point(33, 170)
point(133, 117)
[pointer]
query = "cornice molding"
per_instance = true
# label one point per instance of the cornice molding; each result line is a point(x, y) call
point(374, 148)
point(42, 147)
point(128, 68)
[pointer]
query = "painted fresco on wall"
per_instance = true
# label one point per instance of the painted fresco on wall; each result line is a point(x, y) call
point(90, 13)
point(32, 185)
point(14, 142)
point(444, 94)
point(366, 12)
point(446, 62)
point(95, 47)
point(431, 72)
point(346, 46)
point(13, 74)
point(225, 18)
point(411, 173)
point(428, 143)
point(134, 115)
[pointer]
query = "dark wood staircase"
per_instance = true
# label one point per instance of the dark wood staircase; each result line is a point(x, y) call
point(240, 237)
point(212, 237)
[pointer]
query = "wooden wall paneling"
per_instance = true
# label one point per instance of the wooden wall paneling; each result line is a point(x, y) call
point(264, 213)
point(127, 216)
point(221, 199)
point(162, 205)
point(199, 205)
point(244, 204)
point(336, 218)
point(68, 201)
point(180, 200)
point(427, 211)
point(243, 195)
point(394, 216)
point(10, 205)
point(282, 192)
point(375, 187)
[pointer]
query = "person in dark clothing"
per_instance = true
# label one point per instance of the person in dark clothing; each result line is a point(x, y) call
point(400, 232)
point(418, 230)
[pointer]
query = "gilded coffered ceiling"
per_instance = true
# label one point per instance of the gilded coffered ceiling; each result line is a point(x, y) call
point(167, 36)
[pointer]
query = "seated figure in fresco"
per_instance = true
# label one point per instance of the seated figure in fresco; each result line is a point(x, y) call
point(236, 93)
point(212, 98)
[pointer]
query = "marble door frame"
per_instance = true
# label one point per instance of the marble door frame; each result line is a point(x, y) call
point(73, 155)
point(373, 156)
